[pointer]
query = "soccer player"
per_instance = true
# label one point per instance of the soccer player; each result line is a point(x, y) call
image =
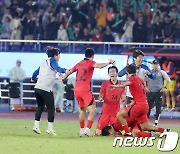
point(139, 109)
point(111, 100)
point(116, 128)
point(43, 88)
point(82, 91)
point(142, 71)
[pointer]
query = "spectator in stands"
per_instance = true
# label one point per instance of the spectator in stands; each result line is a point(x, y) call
point(91, 15)
point(139, 30)
point(5, 32)
point(173, 13)
point(38, 30)
point(77, 35)
point(128, 28)
point(62, 16)
point(58, 92)
point(168, 31)
point(28, 24)
point(86, 36)
point(98, 36)
point(6, 14)
point(52, 29)
point(101, 16)
point(111, 16)
point(16, 28)
point(108, 36)
point(62, 34)
point(17, 75)
point(169, 68)
point(157, 30)
point(90, 29)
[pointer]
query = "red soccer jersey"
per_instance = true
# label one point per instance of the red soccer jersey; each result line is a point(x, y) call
point(137, 89)
point(111, 98)
point(84, 69)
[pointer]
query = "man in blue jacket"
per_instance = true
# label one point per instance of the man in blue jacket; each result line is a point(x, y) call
point(142, 71)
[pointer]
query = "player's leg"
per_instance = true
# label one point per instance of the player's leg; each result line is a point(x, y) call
point(148, 127)
point(92, 113)
point(150, 98)
point(49, 101)
point(122, 118)
point(137, 132)
point(39, 110)
point(102, 122)
point(91, 105)
point(158, 103)
point(82, 112)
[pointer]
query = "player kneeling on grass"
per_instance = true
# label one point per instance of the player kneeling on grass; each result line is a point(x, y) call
point(139, 109)
point(110, 97)
point(43, 88)
point(82, 91)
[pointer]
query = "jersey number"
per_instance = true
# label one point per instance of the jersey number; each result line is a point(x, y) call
point(82, 77)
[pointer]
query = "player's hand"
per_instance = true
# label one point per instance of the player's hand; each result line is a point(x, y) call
point(111, 61)
point(101, 99)
point(163, 90)
point(147, 89)
point(61, 79)
point(147, 72)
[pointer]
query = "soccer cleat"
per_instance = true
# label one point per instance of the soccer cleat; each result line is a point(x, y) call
point(167, 109)
point(172, 109)
point(88, 132)
point(36, 130)
point(167, 130)
point(51, 132)
point(82, 132)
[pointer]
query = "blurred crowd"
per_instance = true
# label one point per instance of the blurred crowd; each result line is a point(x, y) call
point(91, 20)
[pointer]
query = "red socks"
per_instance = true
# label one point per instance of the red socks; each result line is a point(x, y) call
point(126, 128)
point(161, 130)
point(143, 134)
point(89, 124)
point(81, 124)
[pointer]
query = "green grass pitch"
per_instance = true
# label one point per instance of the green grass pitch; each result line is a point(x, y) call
point(17, 137)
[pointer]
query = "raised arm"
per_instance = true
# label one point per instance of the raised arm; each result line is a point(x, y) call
point(122, 72)
point(56, 67)
point(102, 65)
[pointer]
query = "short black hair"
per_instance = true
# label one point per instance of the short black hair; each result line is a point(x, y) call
point(113, 67)
point(51, 51)
point(136, 53)
point(164, 59)
point(105, 130)
point(131, 69)
point(89, 52)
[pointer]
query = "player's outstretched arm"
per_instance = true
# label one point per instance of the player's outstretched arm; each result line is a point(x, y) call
point(102, 65)
point(68, 72)
point(127, 83)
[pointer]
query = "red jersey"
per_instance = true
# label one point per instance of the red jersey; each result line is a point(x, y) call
point(84, 69)
point(112, 98)
point(137, 89)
